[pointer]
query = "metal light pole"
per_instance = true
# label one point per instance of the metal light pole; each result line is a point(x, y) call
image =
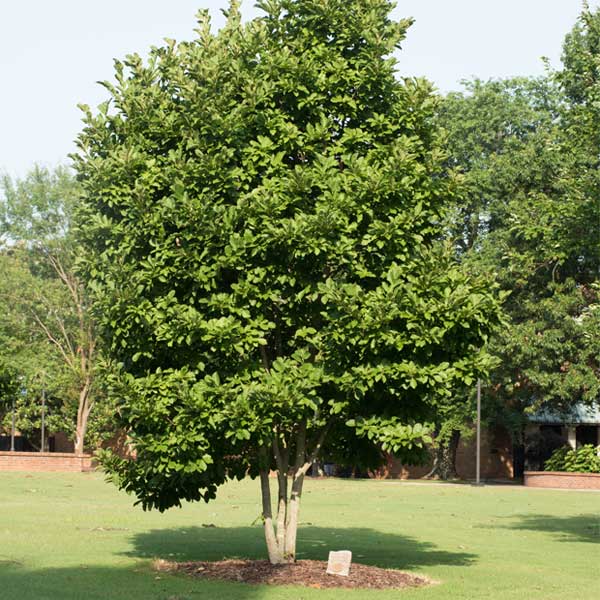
point(43, 420)
point(12, 428)
point(478, 459)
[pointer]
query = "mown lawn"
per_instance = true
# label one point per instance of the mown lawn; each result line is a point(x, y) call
point(71, 536)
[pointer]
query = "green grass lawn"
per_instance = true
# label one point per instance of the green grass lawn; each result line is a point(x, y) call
point(73, 536)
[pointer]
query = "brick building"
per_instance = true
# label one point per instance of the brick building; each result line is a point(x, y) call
point(496, 459)
point(550, 430)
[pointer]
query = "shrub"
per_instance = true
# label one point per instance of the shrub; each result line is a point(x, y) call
point(583, 460)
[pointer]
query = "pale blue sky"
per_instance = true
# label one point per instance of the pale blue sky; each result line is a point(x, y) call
point(53, 51)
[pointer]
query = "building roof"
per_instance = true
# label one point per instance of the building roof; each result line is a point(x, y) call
point(581, 414)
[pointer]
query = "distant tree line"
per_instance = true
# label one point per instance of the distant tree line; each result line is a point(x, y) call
point(528, 153)
point(49, 352)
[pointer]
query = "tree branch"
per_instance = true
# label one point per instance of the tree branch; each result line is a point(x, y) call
point(300, 447)
point(65, 336)
point(70, 360)
point(317, 448)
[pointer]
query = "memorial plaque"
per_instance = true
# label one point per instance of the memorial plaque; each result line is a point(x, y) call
point(339, 563)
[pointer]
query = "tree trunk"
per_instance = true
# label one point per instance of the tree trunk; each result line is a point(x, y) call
point(274, 550)
point(444, 462)
point(281, 536)
point(80, 438)
point(291, 532)
point(83, 412)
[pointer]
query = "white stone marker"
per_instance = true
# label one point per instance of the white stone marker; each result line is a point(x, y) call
point(339, 563)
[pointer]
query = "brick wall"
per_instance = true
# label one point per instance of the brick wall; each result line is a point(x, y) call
point(44, 461)
point(496, 455)
point(558, 479)
point(496, 459)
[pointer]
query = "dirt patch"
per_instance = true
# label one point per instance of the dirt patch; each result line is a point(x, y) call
point(308, 573)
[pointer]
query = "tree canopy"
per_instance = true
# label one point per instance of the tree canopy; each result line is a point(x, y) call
point(528, 149)
point(261, 211)
point(46, 332)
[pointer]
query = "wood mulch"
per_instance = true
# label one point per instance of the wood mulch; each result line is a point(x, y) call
point(307, 573)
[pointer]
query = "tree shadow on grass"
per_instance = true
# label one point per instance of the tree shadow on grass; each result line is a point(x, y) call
point(579, 528)
point(113, 583)
point(369, 546)
point(138, 582)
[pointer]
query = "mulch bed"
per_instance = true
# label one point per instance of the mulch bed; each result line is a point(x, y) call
point(307, 573)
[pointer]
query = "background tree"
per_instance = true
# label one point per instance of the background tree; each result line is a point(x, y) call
point(502, 138)
point(48, 331)
point(9, 388)
point(27, 351)
point(531, 217)
point(261, 210)
point(579, 81)
point(453, 422)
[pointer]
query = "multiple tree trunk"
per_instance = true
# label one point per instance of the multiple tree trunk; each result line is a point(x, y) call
point(281, 531)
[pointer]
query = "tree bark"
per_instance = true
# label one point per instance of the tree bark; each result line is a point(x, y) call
point(282, 461)
point(291, 532)
point(83, 413)
point(294, 504)
point(273, 548)
point(444, 462)
point(281, 537)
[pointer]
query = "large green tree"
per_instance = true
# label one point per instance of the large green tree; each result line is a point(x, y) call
point(531, 217)
point(261, 210)
point(579, 80)
point(46, 330)
point(502, 137)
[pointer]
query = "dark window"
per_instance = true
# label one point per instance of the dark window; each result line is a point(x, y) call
point(539, 446)
point(587, 434)
point(551, 431)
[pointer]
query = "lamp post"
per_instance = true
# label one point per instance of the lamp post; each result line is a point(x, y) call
point(42, 446)
point(12, 428)
point(478, 457)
